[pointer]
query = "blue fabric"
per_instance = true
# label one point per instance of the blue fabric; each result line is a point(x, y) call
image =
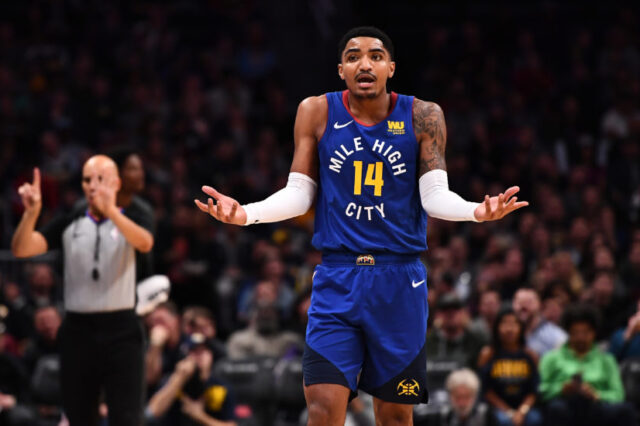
point(372, 318)
point(354, 214)
point(621, 349)
point(533, 418)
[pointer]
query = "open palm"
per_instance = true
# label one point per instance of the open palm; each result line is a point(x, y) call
point(497, 207)
point(225, 209)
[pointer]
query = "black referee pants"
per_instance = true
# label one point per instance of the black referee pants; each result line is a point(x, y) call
point(102, 351)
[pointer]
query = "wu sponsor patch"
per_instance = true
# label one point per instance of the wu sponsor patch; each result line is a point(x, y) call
point(395, 127)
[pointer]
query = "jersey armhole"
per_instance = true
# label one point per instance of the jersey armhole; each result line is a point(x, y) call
point(413, 129)
point(326, 127)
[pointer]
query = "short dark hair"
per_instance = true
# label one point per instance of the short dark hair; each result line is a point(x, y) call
point(581, 313)
point(120, 155)
point(366, 32)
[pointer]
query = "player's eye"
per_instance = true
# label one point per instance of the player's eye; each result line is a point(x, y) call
point(352, 58)
point(376, 57)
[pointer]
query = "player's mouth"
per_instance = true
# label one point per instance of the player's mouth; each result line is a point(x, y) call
point(365, 81)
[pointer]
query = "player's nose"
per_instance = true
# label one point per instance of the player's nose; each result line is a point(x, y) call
point(365, 64)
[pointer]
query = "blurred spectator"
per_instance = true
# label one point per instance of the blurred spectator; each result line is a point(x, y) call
point(131, 170)
point(197, 319)
point(47, 321)
point(41, 291)
point(541, 335)
point(14, 387)
point(625, 342)
point(488, 309)
point(163, 352)
point(510, 374)
point(630, 271)
point(192, 394)
point(272, 288)
point(580, 383)
point(264, 336)
point(451, 338)
point(612, 307)
point(465, 407)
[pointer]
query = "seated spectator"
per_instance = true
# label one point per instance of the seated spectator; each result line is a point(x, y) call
point(488, 309)
point(264, 336)
point(625, 343)
point(47, 322)
point(451, 338)
point(14, 383)
point(164, 342)
point(580, 383)
point(192, 395)
point(465, 409)
point(541, 335)
point(510, 374)
point(197, 319)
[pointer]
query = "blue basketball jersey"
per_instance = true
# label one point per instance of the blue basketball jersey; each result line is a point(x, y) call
point(368, 196)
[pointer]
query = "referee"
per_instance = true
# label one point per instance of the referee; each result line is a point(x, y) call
point(101, 339)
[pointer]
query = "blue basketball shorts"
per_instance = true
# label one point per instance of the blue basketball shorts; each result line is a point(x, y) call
point(367, 326)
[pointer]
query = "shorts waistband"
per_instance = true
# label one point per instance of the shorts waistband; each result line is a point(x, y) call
point(367, 259)
point(109, 316)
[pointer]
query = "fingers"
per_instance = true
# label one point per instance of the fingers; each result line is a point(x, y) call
point(500, 207)
point(36, 177)
point(234, 208)
point(211, 192)
point(202, 206)
point(511, 191)
point(212, 209)
point(24, 189)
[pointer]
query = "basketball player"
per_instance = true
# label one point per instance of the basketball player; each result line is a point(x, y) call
point(359, 154)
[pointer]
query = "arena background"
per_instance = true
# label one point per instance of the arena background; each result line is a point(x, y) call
point(544, 95)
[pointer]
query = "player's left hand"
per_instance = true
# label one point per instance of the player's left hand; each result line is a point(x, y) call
point(494, 208)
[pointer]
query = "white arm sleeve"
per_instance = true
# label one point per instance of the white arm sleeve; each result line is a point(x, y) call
point(438, 201)
point(291, 201)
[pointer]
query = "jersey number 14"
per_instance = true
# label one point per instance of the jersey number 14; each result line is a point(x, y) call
point(369, 179)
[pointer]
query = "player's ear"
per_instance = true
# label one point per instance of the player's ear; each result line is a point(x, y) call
point(340, 71)
point(392, 68)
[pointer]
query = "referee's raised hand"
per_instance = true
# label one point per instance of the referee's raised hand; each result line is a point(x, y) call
point(30, 194)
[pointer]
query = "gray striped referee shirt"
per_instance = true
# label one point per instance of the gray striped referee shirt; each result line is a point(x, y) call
point(99, 264)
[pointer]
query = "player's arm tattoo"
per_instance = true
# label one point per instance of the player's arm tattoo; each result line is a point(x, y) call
point(431, 131)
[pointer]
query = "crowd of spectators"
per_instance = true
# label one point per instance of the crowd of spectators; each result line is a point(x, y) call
point(547, 99)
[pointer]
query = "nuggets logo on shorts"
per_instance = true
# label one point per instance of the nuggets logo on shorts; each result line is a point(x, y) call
point(365, 259)
point(395, 127)
point(408, 388)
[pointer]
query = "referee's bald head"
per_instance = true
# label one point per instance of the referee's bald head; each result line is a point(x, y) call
point(101, 163)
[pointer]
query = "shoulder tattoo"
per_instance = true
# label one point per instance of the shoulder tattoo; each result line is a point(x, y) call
point(431, 131)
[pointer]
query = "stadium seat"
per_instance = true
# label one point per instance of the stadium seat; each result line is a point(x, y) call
point(45, 382)
point(630, 372)
point(288, 380)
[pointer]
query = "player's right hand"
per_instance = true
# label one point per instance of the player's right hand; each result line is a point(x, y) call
point(226, 209)
point(30, 193)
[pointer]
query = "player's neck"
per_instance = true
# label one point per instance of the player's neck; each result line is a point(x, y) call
point(370, 110)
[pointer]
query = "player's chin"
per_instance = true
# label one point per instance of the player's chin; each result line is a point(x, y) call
point(365, 92)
